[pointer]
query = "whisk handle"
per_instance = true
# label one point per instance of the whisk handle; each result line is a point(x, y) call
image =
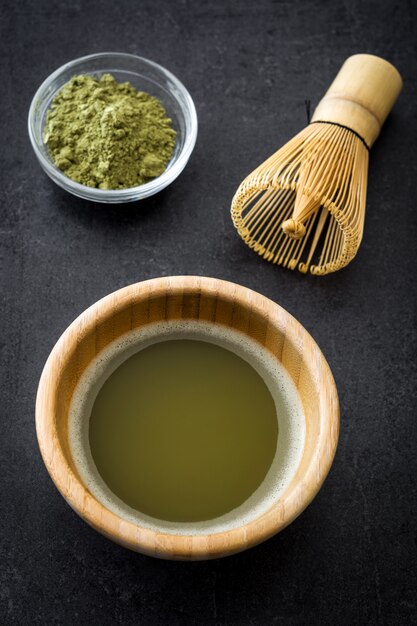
point(361, 96)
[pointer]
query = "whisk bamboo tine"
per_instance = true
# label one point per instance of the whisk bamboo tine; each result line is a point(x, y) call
point(274, 225)
point(319, 229)
point(264, 222)
point(326, 257)
point(302, 244)
point(264, 206)
point(274, 233)
point(308, 198)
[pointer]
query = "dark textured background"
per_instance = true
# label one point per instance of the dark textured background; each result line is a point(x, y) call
point(351, 557)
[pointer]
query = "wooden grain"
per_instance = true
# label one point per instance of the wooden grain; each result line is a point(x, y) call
point(361, 96)
point(308, 199)
point(188, 298)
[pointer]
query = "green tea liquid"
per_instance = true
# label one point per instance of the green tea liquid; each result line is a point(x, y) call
point(184, 430)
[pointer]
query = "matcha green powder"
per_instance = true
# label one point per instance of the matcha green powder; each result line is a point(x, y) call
point(105, 134)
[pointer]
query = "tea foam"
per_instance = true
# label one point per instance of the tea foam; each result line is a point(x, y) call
point(290, 415)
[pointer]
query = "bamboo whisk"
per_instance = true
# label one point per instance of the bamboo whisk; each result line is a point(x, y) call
point(304, 207)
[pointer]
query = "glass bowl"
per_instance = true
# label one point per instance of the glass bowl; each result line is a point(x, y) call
point(143, 75)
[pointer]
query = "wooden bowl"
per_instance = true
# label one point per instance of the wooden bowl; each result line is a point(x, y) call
point(197, 298)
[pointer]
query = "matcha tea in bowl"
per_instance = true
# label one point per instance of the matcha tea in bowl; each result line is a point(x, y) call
point(112, 127)
point(187, 417)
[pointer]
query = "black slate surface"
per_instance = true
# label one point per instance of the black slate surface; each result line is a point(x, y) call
point(351, 557)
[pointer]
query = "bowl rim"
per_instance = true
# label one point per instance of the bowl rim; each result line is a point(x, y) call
point(119, 195)
point(298, 495)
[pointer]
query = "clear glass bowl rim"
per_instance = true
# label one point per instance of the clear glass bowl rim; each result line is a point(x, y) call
point(119, 195)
